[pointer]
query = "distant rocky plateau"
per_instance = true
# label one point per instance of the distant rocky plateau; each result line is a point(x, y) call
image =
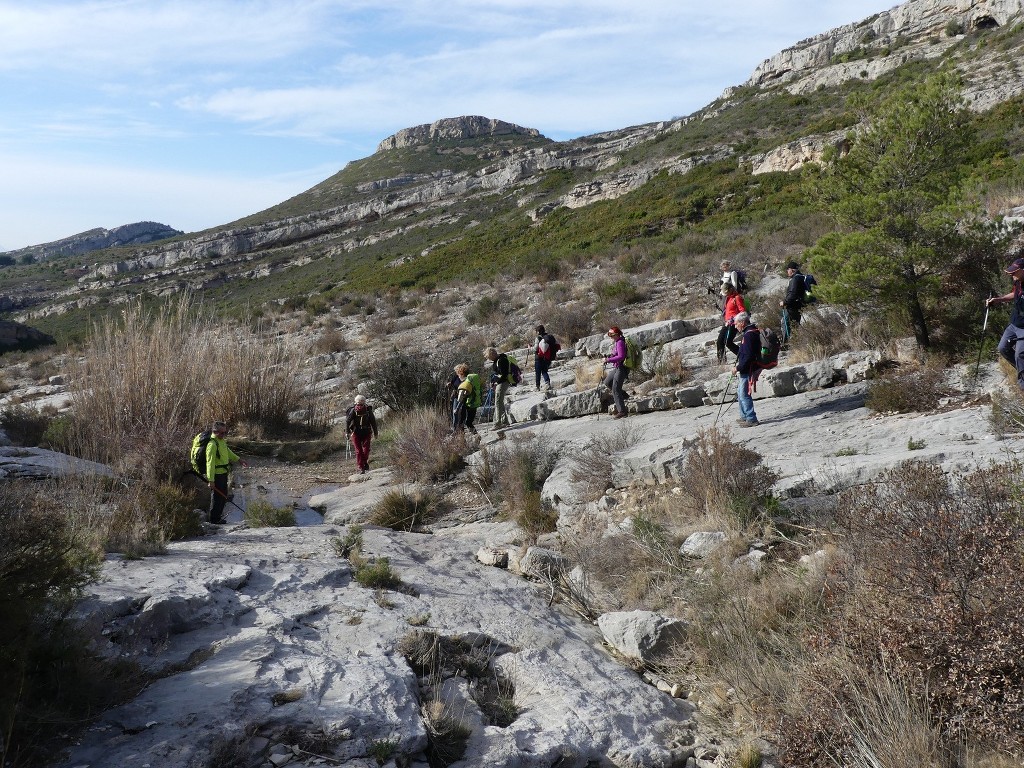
point(139, 233)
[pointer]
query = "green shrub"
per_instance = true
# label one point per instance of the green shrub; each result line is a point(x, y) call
point(24, 425)
point(351, 542)
point(263, 514)
point(403, 510)
point(520, 469)
point(47, 675)
point(59, 434)
point(176, 511)
point(375, 573)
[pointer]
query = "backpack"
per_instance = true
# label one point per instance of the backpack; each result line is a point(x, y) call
point(198, 454)
point(515, 375)
point(553, 346)
point(809, 283)
point(634, 355)
point(475, 399)
point(359, 421)
point(771, 344)
point(741, 280)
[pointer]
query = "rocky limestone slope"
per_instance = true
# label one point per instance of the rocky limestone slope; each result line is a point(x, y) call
point(264, 646)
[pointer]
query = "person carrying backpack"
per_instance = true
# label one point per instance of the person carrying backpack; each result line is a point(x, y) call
point(733, 306)
point(1011, 345)
point(737, 278)
point(360, 426)
point(616, 377)
point(544, 352)
point(793, 301)
point(500, 381)
point(218, 460)
point(746, 367)
point(468, 397)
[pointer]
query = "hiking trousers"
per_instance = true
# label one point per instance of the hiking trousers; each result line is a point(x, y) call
point(615, 380)
point(1011, 347)
point(745, 400)
point(361, 445)
point(540, 369)
point(500, 412)
point(218, 500)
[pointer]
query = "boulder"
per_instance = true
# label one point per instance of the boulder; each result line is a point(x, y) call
point(641, 635)
point(702, 543)
point(572, 406)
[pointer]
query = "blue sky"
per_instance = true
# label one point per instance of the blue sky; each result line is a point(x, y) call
point(196, 113)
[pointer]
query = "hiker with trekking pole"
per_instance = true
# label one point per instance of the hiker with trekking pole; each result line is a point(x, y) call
point(1011, 345)
point(212, 460)
point(746, 366)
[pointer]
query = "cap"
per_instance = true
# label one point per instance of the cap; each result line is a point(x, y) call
point(1018, 264)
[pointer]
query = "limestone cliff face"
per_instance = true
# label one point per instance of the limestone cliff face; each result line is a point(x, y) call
point(879, 44)
point(453, 129)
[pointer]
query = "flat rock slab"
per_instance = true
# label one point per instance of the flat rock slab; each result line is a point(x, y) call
point(267, 627)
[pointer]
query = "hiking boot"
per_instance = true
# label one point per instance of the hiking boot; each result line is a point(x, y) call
point(621, 415)
point(741, 421)
point(753, 423)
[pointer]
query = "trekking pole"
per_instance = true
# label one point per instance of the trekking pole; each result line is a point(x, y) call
point(981, 346)
point(724, 393)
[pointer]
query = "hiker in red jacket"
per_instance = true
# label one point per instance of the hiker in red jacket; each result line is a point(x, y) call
point(360, 425)
point(733, 306)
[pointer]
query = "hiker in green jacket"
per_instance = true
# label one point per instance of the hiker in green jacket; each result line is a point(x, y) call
point(219, 459)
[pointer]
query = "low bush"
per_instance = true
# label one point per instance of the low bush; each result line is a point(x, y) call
point(49, 679)
point(374, 573)
point(726, 480)
point(24, 425)
point(594, 461)
point(520, 469)
point(263, 514)
point(404, 510)
point(907, 391)
point(422, 447)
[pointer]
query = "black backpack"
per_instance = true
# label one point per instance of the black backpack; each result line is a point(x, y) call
point(741, 281)
point(771, 344)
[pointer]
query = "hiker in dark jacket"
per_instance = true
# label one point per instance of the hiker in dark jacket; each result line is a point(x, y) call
point(500, 381)
point(1011, 345)
point(746, 366)
point(543, 353)
point(360, 426)
point(793, 301)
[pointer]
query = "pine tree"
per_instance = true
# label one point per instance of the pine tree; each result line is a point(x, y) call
point(905, 227)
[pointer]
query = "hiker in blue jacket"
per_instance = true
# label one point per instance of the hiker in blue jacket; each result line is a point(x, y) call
point(746, 365)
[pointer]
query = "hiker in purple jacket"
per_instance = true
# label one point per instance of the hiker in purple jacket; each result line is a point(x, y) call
point(616, 377)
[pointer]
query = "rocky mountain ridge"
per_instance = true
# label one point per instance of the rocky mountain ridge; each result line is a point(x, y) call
point(400, 217)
